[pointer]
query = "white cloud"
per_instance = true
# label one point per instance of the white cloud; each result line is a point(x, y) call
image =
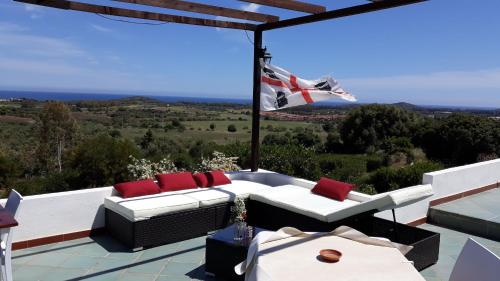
point(31, 8)
point(40, 45)
point(250, 7)
point(478, 88)
point(11, 27)
point(101, 28)
point(451, 80)
point(34, 61)
point(39, 67)
point(34, 11)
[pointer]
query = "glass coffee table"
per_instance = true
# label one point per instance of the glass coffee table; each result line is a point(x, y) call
point(223, 253)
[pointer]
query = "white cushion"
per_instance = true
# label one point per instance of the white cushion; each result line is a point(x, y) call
point(145, 207)
point(209, 196)
point(224, 193)
point(301, 200)
point(241, 188)
point(410, 195)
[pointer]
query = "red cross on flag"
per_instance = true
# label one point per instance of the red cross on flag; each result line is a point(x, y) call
point(281, 89)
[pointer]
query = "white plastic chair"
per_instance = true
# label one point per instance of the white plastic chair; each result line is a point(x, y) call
point(12, 206)
point(476, 263)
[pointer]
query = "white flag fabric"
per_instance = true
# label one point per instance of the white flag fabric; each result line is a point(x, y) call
point(281, 89)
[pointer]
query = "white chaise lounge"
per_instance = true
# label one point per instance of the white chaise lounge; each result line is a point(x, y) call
point(301, 200)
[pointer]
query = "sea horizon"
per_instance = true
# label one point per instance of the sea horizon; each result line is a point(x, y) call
point(84, 96)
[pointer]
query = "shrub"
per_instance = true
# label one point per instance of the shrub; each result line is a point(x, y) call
point(219, 161)
point(231, 128)
point(386, 179)
point(102, 160)
point(343, 167)
point(277, 139)
point(291, 160)
point(239, 150)
point(307, 139)
point(145, 169)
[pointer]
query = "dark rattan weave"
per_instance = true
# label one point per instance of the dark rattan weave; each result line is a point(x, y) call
point(167, 228)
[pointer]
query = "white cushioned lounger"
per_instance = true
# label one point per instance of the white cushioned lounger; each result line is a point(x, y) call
point(224, 193)
point(242, 188)
point(145, 207)
point(301, 200)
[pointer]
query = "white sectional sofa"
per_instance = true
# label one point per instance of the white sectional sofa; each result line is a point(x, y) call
point(274, 199)
point(146, 207)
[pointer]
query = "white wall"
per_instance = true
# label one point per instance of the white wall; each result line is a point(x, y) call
point(59, 213)
point(449, 182)
point(66, 212)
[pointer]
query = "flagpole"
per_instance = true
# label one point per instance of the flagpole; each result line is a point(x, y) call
point(258, 53)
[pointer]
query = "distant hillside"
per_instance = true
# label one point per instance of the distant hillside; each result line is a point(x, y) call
point(407, 106)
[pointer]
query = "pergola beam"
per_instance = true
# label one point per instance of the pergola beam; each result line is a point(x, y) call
point(339, 13)
point(121, 12)
point(205, 9)
point(290, 5)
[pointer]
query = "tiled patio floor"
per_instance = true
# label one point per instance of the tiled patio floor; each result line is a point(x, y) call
point(102, 258)
point(451, 244)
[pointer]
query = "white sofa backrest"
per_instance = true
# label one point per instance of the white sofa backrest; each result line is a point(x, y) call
point(275, 179)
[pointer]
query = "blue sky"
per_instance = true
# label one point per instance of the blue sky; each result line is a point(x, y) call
point(443, 52)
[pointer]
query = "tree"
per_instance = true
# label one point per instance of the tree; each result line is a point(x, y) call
point(231, 128)
point(102, 160)
point(462, 139)
point(9, 170)
point(277, 139)
point(367, 127)
point(56, 130)
point(147, 139)
point(333, 143)
point(307, 139)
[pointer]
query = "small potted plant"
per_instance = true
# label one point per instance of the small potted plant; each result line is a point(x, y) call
point(240, 215)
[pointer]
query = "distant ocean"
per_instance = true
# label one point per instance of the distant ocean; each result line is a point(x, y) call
point(43, 96)
point(71, 96)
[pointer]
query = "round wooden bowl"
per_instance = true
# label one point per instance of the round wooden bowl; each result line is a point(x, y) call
point(330, 255)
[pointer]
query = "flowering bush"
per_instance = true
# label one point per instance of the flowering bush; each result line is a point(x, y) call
point(145, 169)
point(219, 161)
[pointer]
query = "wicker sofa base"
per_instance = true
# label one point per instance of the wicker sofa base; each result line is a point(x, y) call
point(425, 243)
point(167, 228)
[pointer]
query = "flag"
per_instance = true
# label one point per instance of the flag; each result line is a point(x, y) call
point(281, 89)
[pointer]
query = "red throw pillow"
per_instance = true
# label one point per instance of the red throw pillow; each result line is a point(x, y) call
point(217, 178)
point(176, 181)
point(137, 188)
point(332, 189)
point(201, 179)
